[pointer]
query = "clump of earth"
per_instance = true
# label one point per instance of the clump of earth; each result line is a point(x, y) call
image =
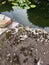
point(24, 46)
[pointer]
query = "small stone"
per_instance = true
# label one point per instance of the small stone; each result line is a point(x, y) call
point(31, 49)
point(39, 62)
point(45, 32)
point(23, 37)
point(36, 50)
point(39, 31)
point(8, 31)
point(11, 61)
point(46, 40)
point(35, 33)
point(28, 29)
point(8, 55)
point(41, 37)
point(44, 53)
point(41, 40)
point(14, 24)
point(38, 39)
point(15, 31)
point(29, 52)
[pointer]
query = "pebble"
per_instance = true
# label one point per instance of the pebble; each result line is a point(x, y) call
point(44, 53)
point(16, 31)
point(8, 55)
point(36, 50)
point(39, 31)
point(35, 33)
point(11, 61)
point(41, 37)
point(31, 49)
point(39, 62)
point(23, 37)
point(28, 29)
point(14, 24)
point(41, 40)
point(38, 39)
point(8, 31)
point(45, 32)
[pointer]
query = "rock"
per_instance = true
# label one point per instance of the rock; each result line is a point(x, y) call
point(4, 23)
point(28, 29)
point(39, 31)
point(45, 32)
point(35, 33)
point(8, 55)
point(23, 37)
point(14, 24)
point(4, 20)
point(39, 62)
point(15, 31)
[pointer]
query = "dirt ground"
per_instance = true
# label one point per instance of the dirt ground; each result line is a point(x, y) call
point(14, 50)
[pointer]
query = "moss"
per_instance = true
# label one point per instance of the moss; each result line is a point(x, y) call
point(1, 46)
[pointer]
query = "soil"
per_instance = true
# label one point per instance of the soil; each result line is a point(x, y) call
point(31, 51)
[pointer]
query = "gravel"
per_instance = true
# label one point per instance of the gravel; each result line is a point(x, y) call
point(24, 46)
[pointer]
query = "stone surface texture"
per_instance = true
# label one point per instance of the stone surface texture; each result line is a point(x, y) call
point(4, 20)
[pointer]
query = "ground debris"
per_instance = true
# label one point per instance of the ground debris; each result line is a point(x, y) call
point(24, 46)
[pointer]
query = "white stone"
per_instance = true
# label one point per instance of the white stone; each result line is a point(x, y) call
point(29, 29)
point(13, 25)
point(35, 32)
point(23, 37)
point(39, 31)
point(44, 53)
point(16, 31)
point(45, 32)
point(39, 62)
point(8, 55)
